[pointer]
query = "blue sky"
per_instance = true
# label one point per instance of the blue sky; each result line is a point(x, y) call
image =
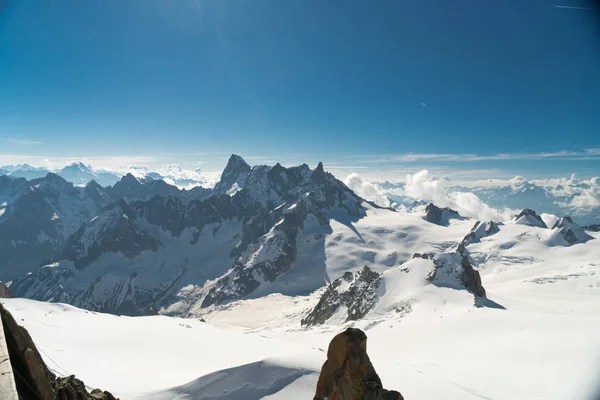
point(355, 83)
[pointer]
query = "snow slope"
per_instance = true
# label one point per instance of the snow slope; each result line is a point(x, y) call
point(543, 343)
point(538, 339)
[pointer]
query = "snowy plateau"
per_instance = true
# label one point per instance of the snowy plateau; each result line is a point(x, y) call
point(253, 278)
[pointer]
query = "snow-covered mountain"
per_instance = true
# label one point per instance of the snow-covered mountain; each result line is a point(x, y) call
point(36, 222)
point(181, 253)
point(80, 174)
point(23, 171)
point(261, 230)
point(38, 216)
point(274, 261)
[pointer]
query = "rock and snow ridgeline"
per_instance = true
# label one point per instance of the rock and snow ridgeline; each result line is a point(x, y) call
point(143, 243)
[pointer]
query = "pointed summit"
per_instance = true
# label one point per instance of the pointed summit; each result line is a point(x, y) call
point(318, 174)
point(565, 231)
point(129, 180)
point(54, 181)
point(237, 163)
point(530, 217)
point(234, 173)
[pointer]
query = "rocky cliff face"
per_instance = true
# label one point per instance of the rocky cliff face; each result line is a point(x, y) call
point(355, 292)
point(348, 373)
point(113, 230)
point(33, 378)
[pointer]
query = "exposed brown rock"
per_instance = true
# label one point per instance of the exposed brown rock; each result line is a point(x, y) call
point(32, 377)
point(5, 292)
point(348, 373)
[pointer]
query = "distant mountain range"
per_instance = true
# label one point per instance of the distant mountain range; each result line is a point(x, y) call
point(81, 174)
point(575, 198)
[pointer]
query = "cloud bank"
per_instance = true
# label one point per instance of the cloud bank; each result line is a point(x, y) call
point(367, 190)
point(423, 186)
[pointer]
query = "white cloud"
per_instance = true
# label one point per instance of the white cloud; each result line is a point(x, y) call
point(366, 190)
point(587, 198)
point(573, 7)
point(586, 154)
point(423, 186)
point(22, 142)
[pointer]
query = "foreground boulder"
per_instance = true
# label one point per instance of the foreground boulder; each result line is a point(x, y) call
point(33, 379)
point(348, 373)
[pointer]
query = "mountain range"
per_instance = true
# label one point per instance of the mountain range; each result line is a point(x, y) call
point(80, 174)
point(144, 244)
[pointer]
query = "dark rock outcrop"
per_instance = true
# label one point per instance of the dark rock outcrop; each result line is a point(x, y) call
point(530, 217)
point(5, 292)
point(440, 216)
point(479, 230)
point(570, 231)
point(356, 291)
point(33, 378)
point(348, 373)
point(235, 173)
point(114, 231)
point(454, 269)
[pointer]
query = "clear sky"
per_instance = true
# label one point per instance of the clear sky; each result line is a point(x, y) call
point(356, 83)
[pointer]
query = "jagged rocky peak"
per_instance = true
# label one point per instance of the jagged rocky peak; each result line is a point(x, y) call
point(440, 216)
point(233, 176)
point(530, 217)
point(479, 231)
point(454, 270)
point(318, 174)
point(567, 232)
point(354, 292)
point(97, 193)
point(128, 180)
point(113, 230)
point(54, 182)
